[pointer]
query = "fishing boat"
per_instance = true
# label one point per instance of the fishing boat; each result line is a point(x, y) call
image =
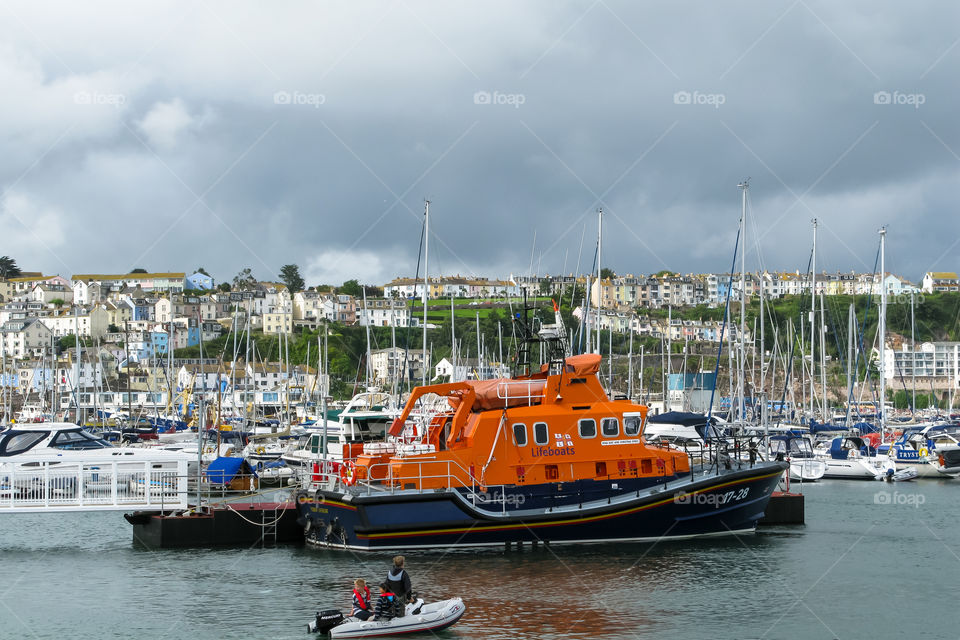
point(543, 456)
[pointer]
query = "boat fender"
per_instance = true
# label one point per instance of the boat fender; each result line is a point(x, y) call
point(348, 473)
point(943, 463)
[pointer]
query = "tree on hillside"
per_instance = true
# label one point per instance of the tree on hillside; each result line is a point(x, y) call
point(58, 302)
point(606, 274)
point(224, 286)
point(8, 267)
point(203, 271)
point(351, 288)
point(665, 273)
point(290, 276)
point(139, 270)
point(244, 280)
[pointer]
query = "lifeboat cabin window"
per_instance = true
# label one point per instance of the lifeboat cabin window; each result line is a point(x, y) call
point(610, 427)
point(540, 434)
point(520, 434)
point(631, 425)
point(588, 428)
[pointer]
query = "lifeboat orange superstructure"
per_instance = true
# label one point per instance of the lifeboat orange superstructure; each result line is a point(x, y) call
point(541, 428)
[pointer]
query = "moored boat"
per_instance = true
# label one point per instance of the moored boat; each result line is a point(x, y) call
point(852, 457)
point(545, 456)
point(798, 451)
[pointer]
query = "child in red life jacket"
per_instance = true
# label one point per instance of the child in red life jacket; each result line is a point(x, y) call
point(387, 604)
point(361, 600)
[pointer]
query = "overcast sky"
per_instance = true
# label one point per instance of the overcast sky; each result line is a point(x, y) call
point(232, 135)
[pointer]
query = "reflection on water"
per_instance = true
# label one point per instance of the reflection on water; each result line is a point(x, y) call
point(79, 576)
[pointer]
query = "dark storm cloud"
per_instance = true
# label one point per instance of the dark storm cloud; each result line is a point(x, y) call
point(245, 135)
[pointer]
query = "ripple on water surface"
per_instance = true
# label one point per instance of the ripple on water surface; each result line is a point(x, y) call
point(869, 552)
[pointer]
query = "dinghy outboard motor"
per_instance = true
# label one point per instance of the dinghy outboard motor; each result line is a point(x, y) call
point(325, 621)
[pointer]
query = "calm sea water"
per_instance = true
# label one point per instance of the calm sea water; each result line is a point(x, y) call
point(874, 561)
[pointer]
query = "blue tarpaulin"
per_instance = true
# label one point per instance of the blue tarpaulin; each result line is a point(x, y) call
point(223, 470)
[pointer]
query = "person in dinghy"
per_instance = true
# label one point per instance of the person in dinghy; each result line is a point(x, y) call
point(361, 600)
point(389, 605)
point(398, 581)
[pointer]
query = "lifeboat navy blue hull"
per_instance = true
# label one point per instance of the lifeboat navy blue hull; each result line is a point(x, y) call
point(715, 504)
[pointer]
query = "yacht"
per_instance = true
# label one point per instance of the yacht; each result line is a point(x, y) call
point(852, 457)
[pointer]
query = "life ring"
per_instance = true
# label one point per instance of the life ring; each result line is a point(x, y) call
point(923, 452)
point(260, 450)
point(348, 473)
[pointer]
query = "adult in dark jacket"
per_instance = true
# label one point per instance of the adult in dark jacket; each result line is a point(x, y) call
point(398, 581)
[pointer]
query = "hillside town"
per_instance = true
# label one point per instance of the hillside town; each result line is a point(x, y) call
point(133, 324)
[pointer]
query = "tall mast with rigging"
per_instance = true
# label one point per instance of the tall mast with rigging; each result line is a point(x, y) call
point(743, 302)
point(599, 279)
point(882, 330)
point(813, 315)
point(426, 283)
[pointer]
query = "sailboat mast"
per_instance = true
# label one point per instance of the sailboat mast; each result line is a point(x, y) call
point(913, 350)
point(741, 408)
point(763, 344)
point(426, 283)
point(599, 281)
point(882, 329)
point(453, 340)
point(610, 362)
point(823, 361)
point(669, 364)
point(813, 315)
point(393, 349)
point(479, 350)
point(366, 311)
point(76, 379)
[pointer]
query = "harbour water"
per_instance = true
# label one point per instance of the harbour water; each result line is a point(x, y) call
point(875, 560)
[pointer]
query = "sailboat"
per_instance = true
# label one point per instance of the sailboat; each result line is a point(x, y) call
point(857, 457)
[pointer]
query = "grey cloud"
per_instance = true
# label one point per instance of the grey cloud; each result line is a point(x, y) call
point(388, 100)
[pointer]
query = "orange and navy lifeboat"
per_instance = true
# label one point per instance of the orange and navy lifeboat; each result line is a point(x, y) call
point(543, 457)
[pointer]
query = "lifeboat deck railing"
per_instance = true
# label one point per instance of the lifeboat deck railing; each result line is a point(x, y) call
point(44, 484)
point(529, 390)
point(449, 473)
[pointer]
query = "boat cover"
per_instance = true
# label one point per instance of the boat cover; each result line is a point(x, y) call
point(682, 418)
point(490, 393)
point(223, 470)
point(503, 393)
